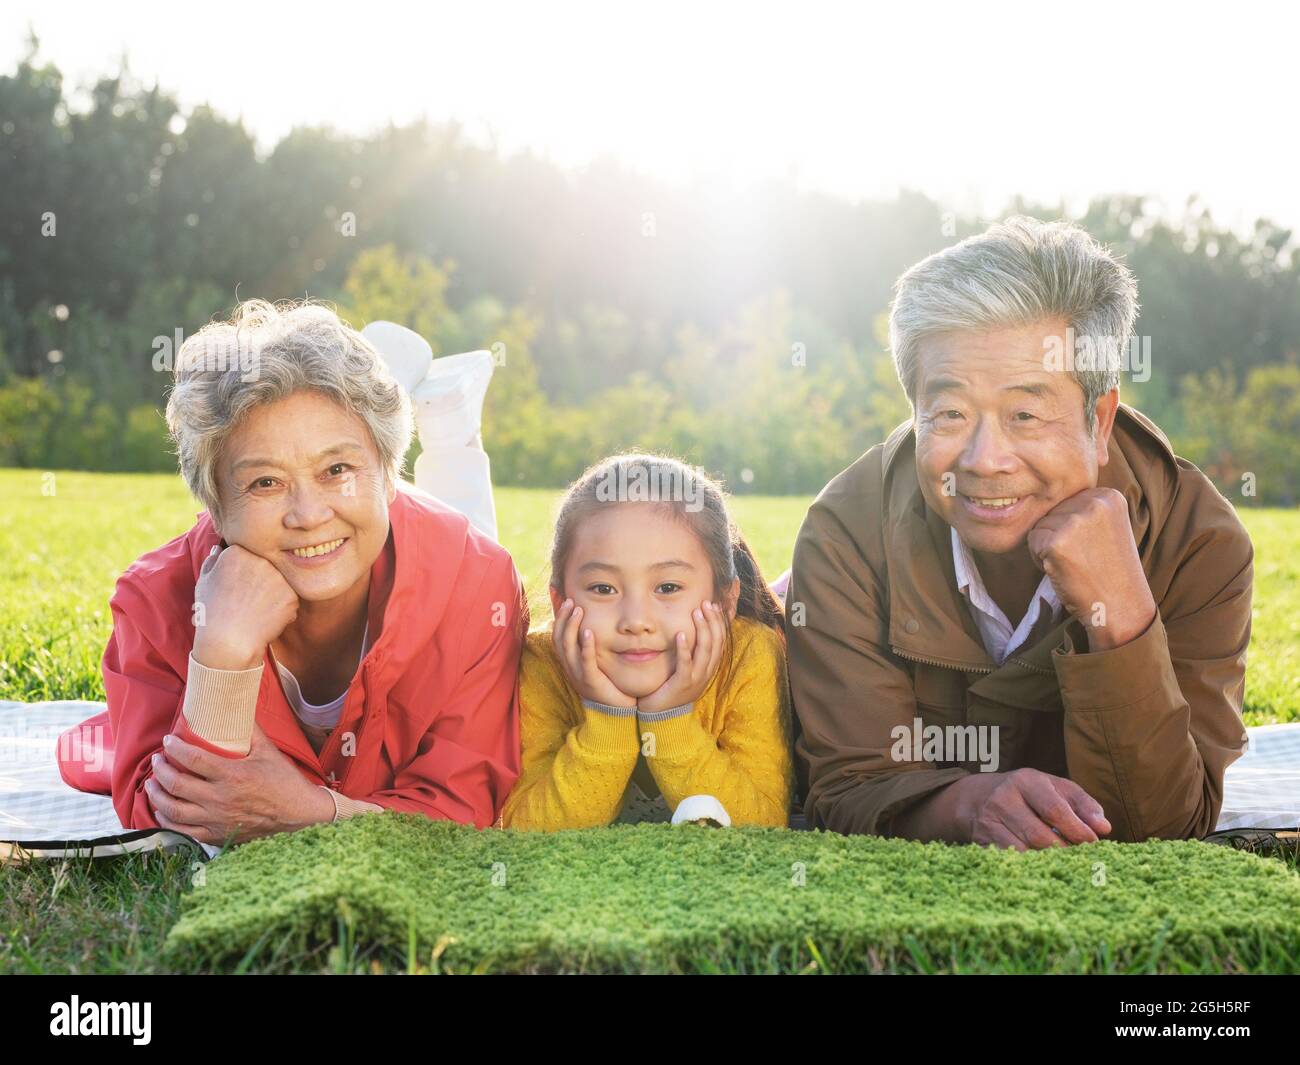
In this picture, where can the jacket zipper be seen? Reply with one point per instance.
(337, 783)
(1031, 667)
(965, 667)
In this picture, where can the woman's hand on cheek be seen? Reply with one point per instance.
(245, 604)
(577, 650)
(218, 800)
(696, 664)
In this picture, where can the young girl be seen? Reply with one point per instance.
(662, 677)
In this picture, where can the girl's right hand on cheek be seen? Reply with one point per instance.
(577, 650)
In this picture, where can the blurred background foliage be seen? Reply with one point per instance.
(741, 331)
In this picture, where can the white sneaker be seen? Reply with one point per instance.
(449, 401)
(407, 354)
(446, 394)
(701, 809)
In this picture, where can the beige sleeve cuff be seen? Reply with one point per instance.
(345, 807)
(220, 704)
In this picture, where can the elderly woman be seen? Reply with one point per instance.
(326, 639)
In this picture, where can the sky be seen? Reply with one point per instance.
(968, 103)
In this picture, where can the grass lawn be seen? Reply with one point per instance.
(64, 541)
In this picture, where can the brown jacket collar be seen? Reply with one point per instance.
(928, 619)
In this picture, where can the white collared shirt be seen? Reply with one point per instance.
(324, 715)
(999, 638)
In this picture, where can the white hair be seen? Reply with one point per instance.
(1018, 272)
(263, 354)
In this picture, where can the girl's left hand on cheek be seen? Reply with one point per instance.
(695, 666)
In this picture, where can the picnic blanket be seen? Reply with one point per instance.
(42, 817)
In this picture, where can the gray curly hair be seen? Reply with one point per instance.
(264, 353)
(1017, 272)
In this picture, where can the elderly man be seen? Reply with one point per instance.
(1022, 620)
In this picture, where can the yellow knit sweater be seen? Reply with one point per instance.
(579, 763)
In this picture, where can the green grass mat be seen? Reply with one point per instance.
(434, 896)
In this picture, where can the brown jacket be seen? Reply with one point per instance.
(880, 635)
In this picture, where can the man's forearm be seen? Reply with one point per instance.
(945, 815)
(1130, 741)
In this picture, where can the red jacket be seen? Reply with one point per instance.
(434, 706)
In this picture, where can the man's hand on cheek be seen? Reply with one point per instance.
(1085, 546)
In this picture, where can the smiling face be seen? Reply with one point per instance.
(637, 572)
(1000, 438)
(304, 474)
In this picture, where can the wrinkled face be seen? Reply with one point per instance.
(304, 473)
(638, 573)
(1001, 438)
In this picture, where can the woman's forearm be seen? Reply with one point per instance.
(221, 704)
